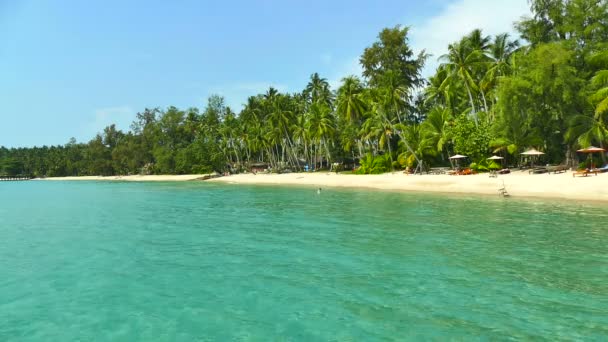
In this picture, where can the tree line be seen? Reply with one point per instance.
(490, 94)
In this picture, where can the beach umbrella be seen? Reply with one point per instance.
(457, 157)
(591, 149)
(496, 158)
(532, 153)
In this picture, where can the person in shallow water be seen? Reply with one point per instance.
(319, 191)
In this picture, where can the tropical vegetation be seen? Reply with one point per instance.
(490, 94)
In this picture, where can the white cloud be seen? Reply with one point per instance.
(459, 18)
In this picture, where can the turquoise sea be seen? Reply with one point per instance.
(103, 261)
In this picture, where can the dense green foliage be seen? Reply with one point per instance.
(489, 95)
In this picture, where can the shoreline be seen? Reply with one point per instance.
(519, 184)
(133, 178)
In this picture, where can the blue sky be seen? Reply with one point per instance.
(69, 68)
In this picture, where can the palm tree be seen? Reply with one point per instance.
(513, 134)
(300, 134)
(600, 96)
(351, 105)
(460, 62)
(477, 41)
(393, 96)
(500, 52)
(317, 90)
(435, 128)
(252, 110)
(376, 131)
(444, 92)
(418, 145)
(280, 118)
(321, 127)
(587, 129)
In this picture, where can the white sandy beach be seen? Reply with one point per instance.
(518, 184)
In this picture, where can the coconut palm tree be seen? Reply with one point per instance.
(460, 61)
(500, 52)
(393, 96)
(435, 128)
(376, 131)
(317, 90)
(351, 104)
(513, 134)
(321, 127)
(418, 145)
(477, 41)
(587, 130)
(600, 96)
(300, 134)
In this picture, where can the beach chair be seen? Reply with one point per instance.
(467, 171)
(584, 173)
(602, 169)
(557, 168)
(538, 170)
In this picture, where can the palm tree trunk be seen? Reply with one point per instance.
(485, 104)
(603, 154)
(472, 102)
(236, 153)
(291, 147)
(409, 148)
(390, 153)
(315, 158)
(327, 151)
(283, 154)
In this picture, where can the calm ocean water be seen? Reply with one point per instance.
(97, 261)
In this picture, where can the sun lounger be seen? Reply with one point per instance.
(467, 171)
(584, 173)
(438, 170)
(538, 170)
(503, 171)
(557, 168)
(602, 169)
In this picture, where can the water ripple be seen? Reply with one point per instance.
(197, 261)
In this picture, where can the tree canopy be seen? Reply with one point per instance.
(490, 94)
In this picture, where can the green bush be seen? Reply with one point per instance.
(374, 165)
(596, 160)
(485, 165)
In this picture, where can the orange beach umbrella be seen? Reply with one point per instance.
(591, 149)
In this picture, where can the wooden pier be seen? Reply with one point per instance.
(7, 178)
